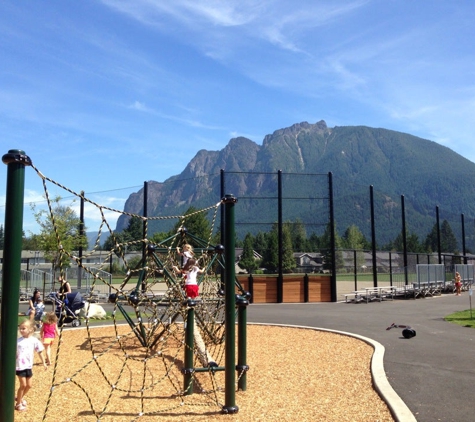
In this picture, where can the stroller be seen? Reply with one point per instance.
(67, 311)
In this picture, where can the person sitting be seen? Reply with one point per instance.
(36, 307)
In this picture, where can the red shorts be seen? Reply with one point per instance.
(191, 290)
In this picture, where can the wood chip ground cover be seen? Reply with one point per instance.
(295, 375)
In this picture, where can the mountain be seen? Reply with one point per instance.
(395, 163)
(92, 237)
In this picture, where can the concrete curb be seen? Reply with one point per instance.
(398, 408)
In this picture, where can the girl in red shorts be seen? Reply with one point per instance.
(191, 282)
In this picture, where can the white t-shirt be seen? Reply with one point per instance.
(25, 354)
(186, 256)
(191, 276)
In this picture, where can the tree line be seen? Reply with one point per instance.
(67, 227)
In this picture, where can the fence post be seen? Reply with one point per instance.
(251, 287)
(390, 269)
(280, 276)
(439, 251)
(464, 250)
(81, 234)
(332, 238)
(404, 241)
(230, 307)
(305, 288)
(373, 239)
(16, 160)
(189, 346)
(242, 367)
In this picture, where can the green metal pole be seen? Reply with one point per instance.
(16, 161)
(242, 367)
(230, 307)
(189, 345)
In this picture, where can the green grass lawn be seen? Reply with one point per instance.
(463, 318)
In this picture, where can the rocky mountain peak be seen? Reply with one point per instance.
(296, 129)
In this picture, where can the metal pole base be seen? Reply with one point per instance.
(229, 410)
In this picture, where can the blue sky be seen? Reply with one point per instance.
(104, 95)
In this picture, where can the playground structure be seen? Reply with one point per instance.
(167, 333)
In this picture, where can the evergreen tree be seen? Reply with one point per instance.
(2, 237)
(431, 240)
(325, 244)
(270, 255)
(159, 237)
(354, 239)
(448, 241)
(260, 243)
(110, 244)
(30, 243)
(248, 262)
(288, 261)
(412, 244)
(300, 242)
(314, 243)
(195, 224)
(270, 258)
(133, 234)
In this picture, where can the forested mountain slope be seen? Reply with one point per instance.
(426, 173)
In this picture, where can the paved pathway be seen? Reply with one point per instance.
(433, 373)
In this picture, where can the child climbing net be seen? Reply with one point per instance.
(149, 360)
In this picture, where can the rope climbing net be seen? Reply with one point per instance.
(141, 364)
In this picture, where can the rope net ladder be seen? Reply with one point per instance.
(139, 364)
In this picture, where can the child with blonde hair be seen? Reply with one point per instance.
(186, 254)
(458, 284)
(27, 345)
(49, 331)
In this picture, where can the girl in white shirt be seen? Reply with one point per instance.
(191, 281)
(27, 345)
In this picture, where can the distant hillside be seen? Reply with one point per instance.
(92, 237)
(395, 163)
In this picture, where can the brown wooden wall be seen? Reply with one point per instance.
(264, 288)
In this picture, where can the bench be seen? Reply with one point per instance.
(387, 292)
(372, 293)
(367, 295)
(405, 291)
(435, 288)
(356, 296)
(420, 289)
(467, 284)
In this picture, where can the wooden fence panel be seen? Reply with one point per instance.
(293, 289)
(265, 288)
(319, 288)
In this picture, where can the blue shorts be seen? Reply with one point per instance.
(25, 373)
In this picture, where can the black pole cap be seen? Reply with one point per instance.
(219, 249)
